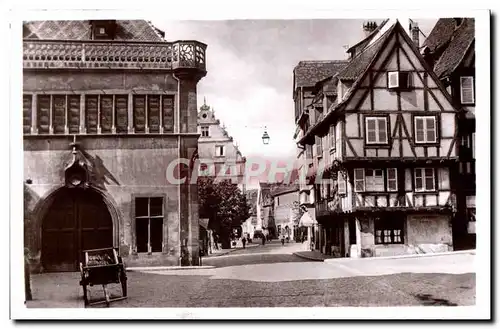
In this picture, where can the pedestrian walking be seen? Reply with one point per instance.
(244, 241)
(263, 240)
(282, 240)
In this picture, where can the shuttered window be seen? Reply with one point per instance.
(425, 129)
(374, 180)
(91, 103)
(106, 113)
(43, 115)
(467, 90)
(139, 111)
(74, 114)
(27, 108)
(59, 113)
(341, 184)
(332, 138)
(121, 113)
(168, 113)
(154, 113)
(376, 130)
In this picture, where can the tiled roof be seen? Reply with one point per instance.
(460, 42)
(360, 63)
(130, 30)
(363, 43)
(440, 34)
(307, 73)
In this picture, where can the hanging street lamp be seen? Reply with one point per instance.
(265, 137)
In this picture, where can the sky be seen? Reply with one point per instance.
(249, 81)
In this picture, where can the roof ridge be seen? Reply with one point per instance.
(371, 35)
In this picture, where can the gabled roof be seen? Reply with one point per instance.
(359, 63)
(307, 73)
(440, 34)
(461, 40)
(363, 43)
(126, 30)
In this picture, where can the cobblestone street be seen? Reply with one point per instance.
(271, 276)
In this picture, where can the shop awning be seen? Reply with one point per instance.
(306, 220)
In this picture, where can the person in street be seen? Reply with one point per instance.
(244, 241)
(263, 240)
(282, 240)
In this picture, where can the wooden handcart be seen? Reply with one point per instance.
(102, 267)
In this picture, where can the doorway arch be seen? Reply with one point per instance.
(76, 220)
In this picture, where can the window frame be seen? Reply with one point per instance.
(423, 177)
(462, 78)
(395, 179)
(388, 228)
(425, 129)
(360, 175)
(205, 129)
(341, 184)
(377, 130)
(148, 217)
(220, 147)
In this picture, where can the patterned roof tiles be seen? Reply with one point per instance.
(307, 73)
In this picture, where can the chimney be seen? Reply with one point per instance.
(415, 33)
(369, 27)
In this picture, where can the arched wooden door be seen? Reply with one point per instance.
(77, 220)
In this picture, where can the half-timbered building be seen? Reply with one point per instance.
(389, 147)
(450, 51)
(109, 106)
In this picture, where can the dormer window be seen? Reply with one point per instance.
(103, 30)
(398, 80)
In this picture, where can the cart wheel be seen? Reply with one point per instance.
(85, 297)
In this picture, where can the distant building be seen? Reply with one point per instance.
(251, 224)
(285, 199)
(219, 155)
(107, 106)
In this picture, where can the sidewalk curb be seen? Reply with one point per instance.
(307, 257)
(230, 251)
(168, 268)
(447, 253)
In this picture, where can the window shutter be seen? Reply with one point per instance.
(59, 113)
(140, 114)
(106, 113)
(431, 129)
(168, 113)
(393, 78)
(74, 114)
(341, 184)
(121, 113)
(359, 180)
(467, 90)
(154, 113)
(371, 134)
(429, 179)
(27, 104)
(91, 114)
(419, 130)
(418, 180)
(382, 130)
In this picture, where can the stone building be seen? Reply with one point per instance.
(386, 163)
(109, 107)
(219, 156)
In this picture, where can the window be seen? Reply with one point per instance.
(368, 180)
(388, 231)
(392, 179)
(376, 130)
(332, 138)
(399, 80)
(424, 179)
(341, 184)
(359, 180)
(467, 90)
(149, 224)
(204, 131)
(219, 150)
(425, 129)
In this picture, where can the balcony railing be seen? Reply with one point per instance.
(64, 54)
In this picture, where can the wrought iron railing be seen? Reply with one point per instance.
(61, 54)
